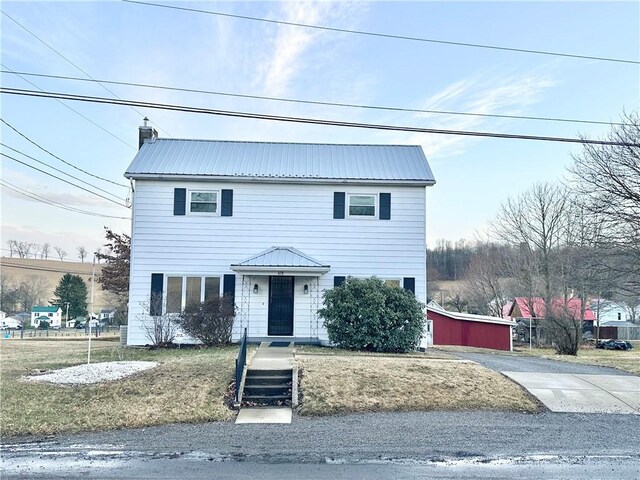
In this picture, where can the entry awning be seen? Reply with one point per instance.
(281, 261)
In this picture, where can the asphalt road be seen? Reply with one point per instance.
(517, 363)
(395, 445)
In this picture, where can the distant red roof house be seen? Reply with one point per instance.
(521, 308)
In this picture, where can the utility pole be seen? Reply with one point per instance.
(93, 281)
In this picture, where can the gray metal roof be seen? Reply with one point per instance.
(277, 257)
(167, 158)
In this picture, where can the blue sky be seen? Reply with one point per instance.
(134, 43)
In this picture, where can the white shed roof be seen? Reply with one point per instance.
(293, 162)
(469, 317)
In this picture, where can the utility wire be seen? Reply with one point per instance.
(62, 179)
(61, 171)
(57, 157)
(315, 102)
(44, 269)
(312, 121)
(385, 35)
(75, 65)
(77, 112)
(41, 199)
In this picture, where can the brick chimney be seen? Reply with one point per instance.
(146, 133)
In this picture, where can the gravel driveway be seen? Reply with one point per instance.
(517, 363)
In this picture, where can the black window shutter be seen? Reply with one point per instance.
(179, 201)
(227, 203)
(338, 204)
(229, 286)
(385, 206)
(155, 301)
(409, 283)
(337, 281)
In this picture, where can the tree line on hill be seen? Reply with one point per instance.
(42, 251)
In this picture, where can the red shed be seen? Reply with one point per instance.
(466, 329)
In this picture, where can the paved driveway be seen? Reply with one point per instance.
(568, 387)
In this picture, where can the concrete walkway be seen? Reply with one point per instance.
(269, 357)
(580, 393)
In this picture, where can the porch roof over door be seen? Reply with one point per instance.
(281, 261)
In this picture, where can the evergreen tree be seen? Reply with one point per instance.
(71, 289)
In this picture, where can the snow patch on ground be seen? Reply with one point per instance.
(92, 373)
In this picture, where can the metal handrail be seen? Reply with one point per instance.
(241, 361)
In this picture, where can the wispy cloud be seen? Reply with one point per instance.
(503, 95)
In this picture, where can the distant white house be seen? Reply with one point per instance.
(2, 315)
(10, 323)
(607, 311)
(107, 315)
(52, 315)
(271, 225)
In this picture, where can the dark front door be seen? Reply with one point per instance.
(280, 306)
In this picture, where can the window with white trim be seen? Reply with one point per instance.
(392, 282)
(183, 290)
(203, 202)
(362, 205)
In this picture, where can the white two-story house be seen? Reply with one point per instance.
(273, 225)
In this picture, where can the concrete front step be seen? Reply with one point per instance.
(268, 380)
(267, 390)
(265, 400)
(267, 373)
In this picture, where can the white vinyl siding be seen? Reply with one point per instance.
(267, 215)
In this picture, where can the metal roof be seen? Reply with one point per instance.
(469, 317)
(281, 259)
(166, 158)
(44, 309)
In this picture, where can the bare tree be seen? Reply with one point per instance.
(537, 222)
(35, 250)
(485, 283)
(8, 293)
(159, 326)
(45, 251)
(61, 253)
(606, 177)
(23, 249)
(82, 253)
(32, 291)
(12, 247)
(98, 254)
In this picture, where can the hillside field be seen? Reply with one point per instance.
(51, 271)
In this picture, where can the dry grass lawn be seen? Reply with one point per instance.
(362, 383)
(188, 386)
(627, 360)
(332, 351)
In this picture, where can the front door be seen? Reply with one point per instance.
(280, 306)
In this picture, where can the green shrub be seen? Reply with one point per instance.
(367, 314)
(210, 322)
(43, 325)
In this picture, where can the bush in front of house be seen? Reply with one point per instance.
(367, 314)
(211, 322)
(43, 325)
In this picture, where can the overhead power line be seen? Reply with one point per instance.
(61, 179)
(75, 111)
(72, 63)
(312, 121)
(61, 171)
(43, 269)
(58, 158)
(385, 35)
(315, 102)
(53, 203)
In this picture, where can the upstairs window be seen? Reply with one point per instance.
(203, 202)
(362, 205)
